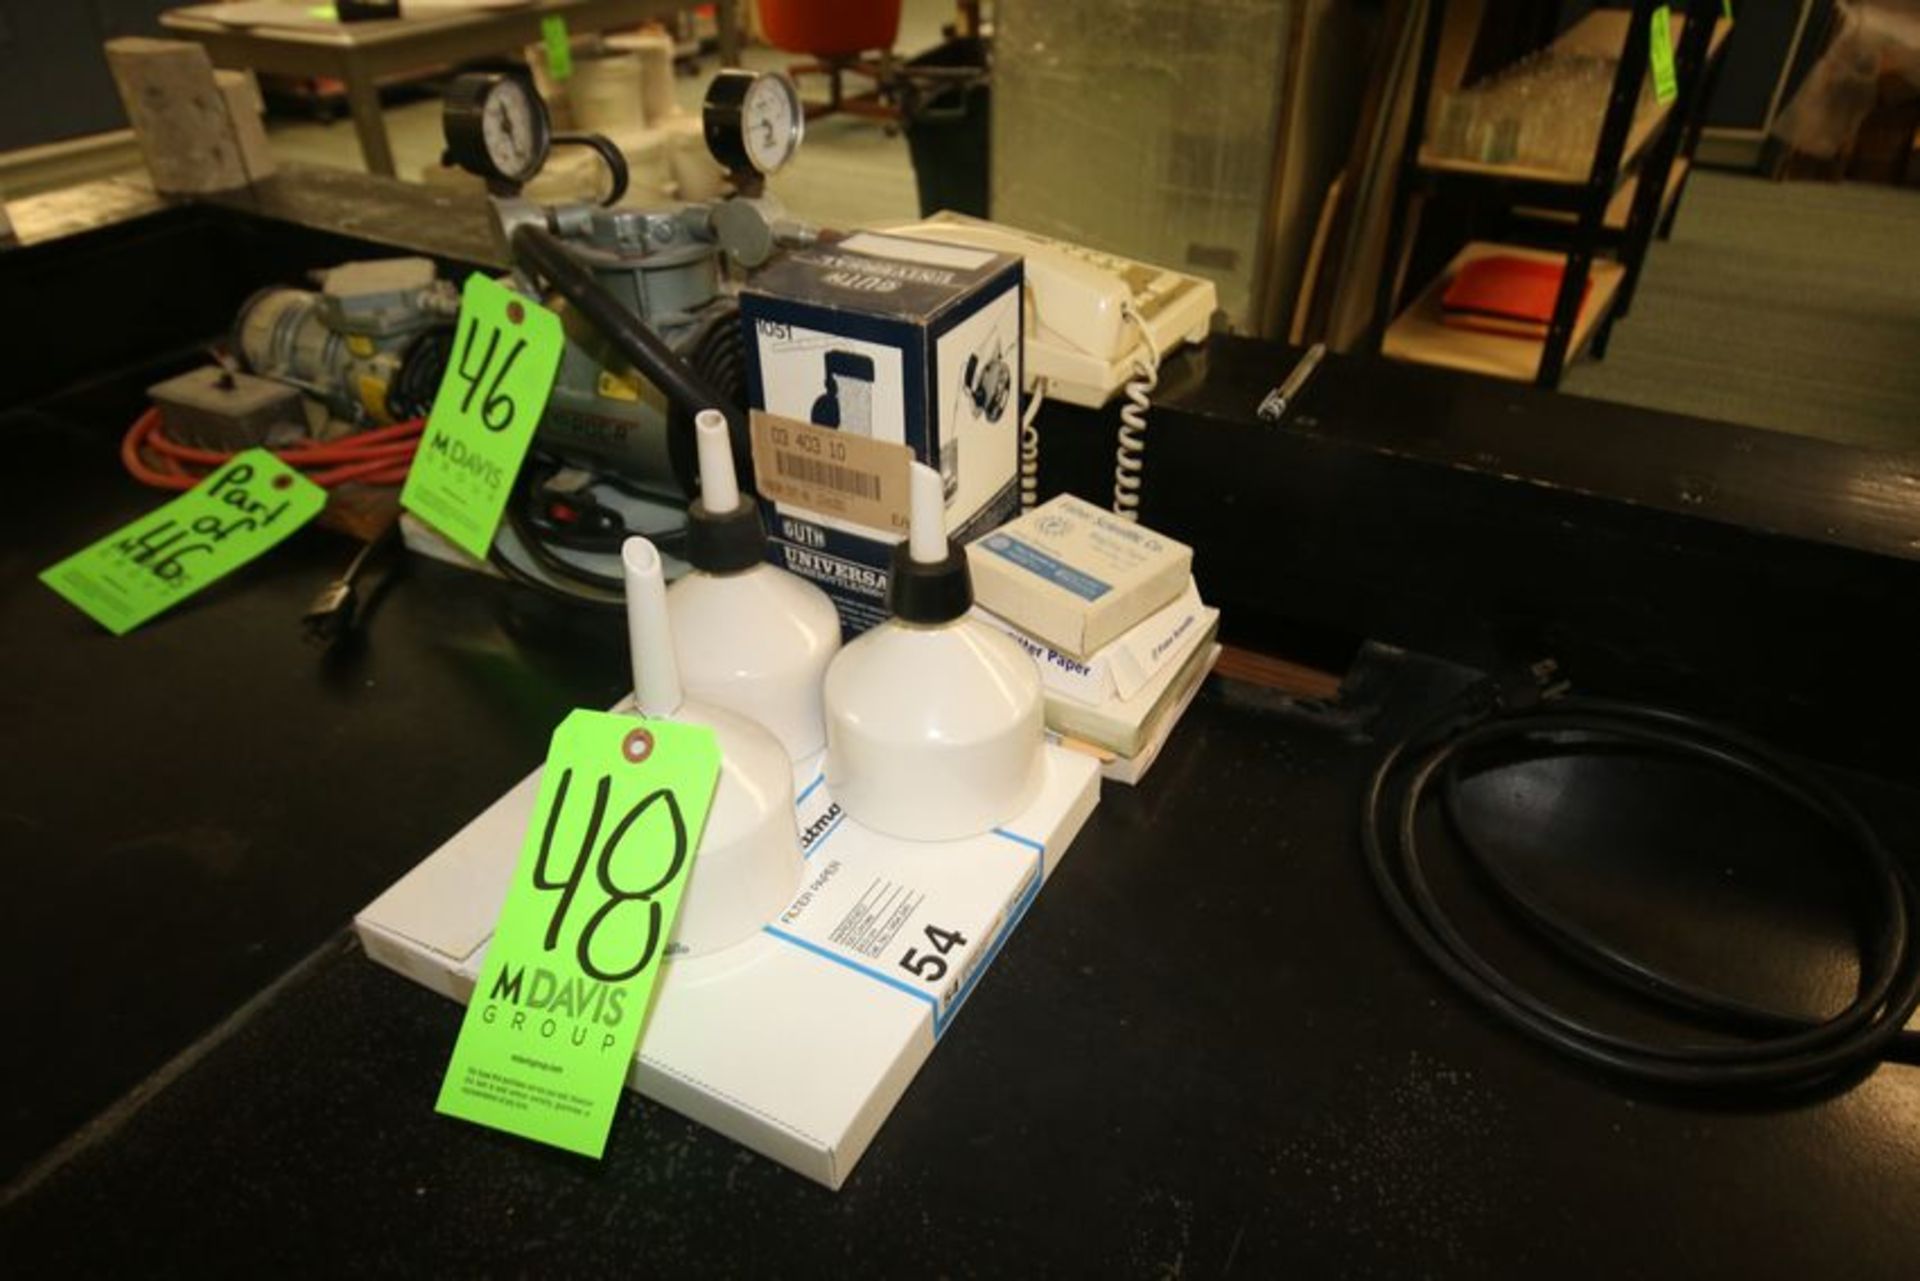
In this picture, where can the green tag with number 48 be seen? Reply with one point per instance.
(506, 351)
(556, 1011)
(243, 509)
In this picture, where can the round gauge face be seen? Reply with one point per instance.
(771, 122)
(512, 127)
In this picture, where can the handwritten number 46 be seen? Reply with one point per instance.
(616, 897)
(497, 409)
(145, 547)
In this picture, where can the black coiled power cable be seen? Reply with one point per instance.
(1766, 1049)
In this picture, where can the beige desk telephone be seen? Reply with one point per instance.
(1096, 325)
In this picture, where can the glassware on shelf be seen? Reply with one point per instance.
(1543, 112)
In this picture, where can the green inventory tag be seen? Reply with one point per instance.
(1660, 49)
(555, 1014)
(553, 30)
(235, 514)
(506, 351)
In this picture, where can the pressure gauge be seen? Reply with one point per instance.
(496, 126)
(754, 120)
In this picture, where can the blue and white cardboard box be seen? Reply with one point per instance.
(798, 1041)
(1076, 576)
(897, 340)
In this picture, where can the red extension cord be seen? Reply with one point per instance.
(377, 457)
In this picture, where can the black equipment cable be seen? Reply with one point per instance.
(520, 577)
(610, 155)
(410, 394)
(555, 565)
(1526, 719)
(547, 259)
(564, 580)
(544, 256)
(338, 607)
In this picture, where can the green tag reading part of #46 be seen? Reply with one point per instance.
(1666, 85)
(241, 510)
(553, 31)
(506, 350)
(556, 1011)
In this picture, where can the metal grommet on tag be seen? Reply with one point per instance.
(637, 746)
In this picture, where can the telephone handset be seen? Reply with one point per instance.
(1078, 336)
(1096, 324)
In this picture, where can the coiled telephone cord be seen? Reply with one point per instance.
(1127, 463)
(1030, 446)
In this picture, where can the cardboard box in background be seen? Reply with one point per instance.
(901, 342)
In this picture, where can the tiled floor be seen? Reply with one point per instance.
(850, 172)
(1792, 306)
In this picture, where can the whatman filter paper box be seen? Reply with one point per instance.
(873, 342)
(1075, 575)
(1123, 666)
(798, 1040)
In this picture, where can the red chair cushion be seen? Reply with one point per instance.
(830, 28)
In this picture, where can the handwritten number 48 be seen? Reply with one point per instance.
(497, 409)
(616, 897)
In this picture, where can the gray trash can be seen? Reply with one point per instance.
(945, 109)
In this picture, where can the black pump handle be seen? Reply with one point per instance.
(545, 257)
(610, 155)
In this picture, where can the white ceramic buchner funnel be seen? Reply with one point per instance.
(750, 638)
(934, 721)
(748, 866)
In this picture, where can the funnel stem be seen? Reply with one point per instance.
(718, 488)
(656, 670)
(927, 512)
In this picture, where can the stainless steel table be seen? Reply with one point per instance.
(360, 53)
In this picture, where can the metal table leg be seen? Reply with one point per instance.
(363, 97)
(727, 14)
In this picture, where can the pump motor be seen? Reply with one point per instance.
(662, 268)
(370, 344)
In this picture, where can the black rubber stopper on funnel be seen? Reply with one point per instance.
(725, 542)
(927, 594)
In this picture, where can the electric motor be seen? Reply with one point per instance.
(602, 414)
(371, 344)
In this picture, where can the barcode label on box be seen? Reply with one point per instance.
(831, 473)
(811, 471)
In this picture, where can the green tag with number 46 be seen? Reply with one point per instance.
(556, 1011)
(506, 351)
(243, 509)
